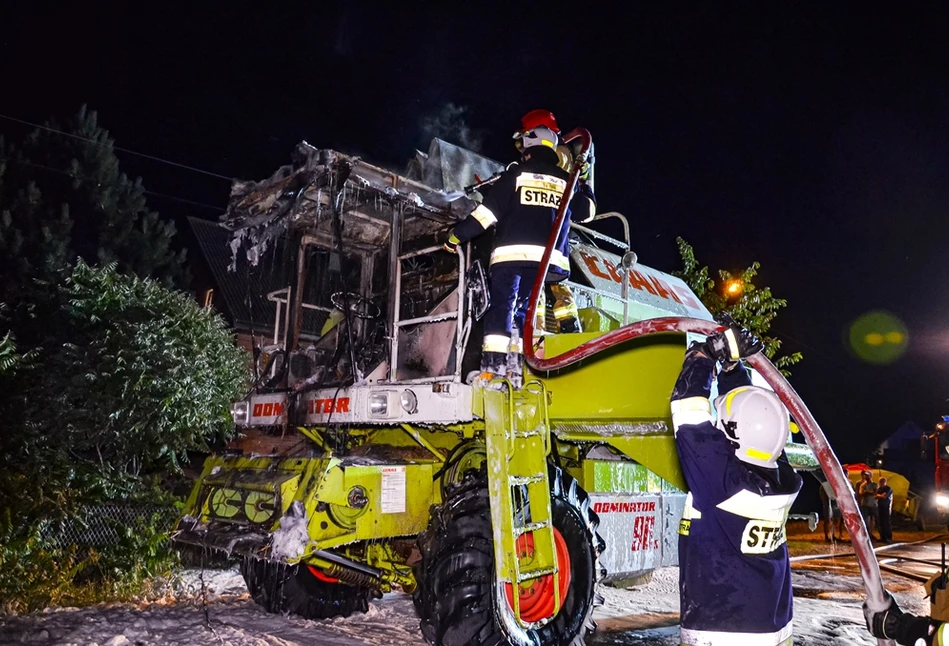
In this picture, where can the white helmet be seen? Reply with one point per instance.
(756, 421)
(539, 136)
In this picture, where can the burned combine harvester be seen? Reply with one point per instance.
(364, 460)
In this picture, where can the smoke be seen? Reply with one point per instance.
(451, 124)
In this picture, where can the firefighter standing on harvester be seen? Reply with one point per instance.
(734, 572)
(522, 204)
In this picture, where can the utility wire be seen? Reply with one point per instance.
(87, 180)
(125, 150)
(181, 199)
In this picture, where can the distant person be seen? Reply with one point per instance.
(833, 519)
(734, 571)
(866, 492)
(884, 498)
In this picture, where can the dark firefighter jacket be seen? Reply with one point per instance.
(523, 203)
(580, 211)
(734, 573)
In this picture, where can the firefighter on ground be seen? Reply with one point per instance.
(734, 572)
(522, 204)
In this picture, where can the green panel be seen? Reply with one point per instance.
(595, 319)
(631, 382)
(408, 487)
(801, 457)
(655, 452)
(245, 490)
(615, 476)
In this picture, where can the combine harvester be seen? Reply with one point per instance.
(365, 462)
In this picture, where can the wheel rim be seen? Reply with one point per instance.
(470, 459)
(536, 596)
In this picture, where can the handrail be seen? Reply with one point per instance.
(274, 297)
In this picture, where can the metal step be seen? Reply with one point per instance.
(525, 480)
(527, 575)
(530, 527)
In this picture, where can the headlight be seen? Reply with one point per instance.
(942, 500)
(240, 413)
(409, 401)
(379, 405)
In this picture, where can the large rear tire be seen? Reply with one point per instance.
(294, 589)
(458, 599)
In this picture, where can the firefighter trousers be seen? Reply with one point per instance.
(510, 292)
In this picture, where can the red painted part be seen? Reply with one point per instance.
(536, 597)
(325, 578)
(536, 118)
(941, 468)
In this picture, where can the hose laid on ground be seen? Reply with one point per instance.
(869, 567)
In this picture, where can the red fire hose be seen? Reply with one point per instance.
(869, 567)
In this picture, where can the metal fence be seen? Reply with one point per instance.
(102, 525)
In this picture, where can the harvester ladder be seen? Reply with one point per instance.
(517, 432)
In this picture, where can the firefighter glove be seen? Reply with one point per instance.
(901, 627)
(451, 245)
(733, 343)
(585, 171)
(584, 189)
(885, 623)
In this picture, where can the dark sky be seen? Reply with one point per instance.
(815, 141)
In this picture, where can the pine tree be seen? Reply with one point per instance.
(63, 197)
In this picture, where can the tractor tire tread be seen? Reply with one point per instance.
(281, 588)
(455, 597)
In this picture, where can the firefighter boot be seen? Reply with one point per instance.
(493, 364)
(515, 369)
(565, 309)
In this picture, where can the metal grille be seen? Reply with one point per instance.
(97, 525)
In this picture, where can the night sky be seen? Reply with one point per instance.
(813, 141)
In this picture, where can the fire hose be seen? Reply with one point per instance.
(830, 465)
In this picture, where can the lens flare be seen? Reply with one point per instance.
(878, 337)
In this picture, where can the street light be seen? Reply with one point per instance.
(733, 289)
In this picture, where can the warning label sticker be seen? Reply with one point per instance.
(393, 490)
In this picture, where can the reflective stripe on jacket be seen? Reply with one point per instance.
(690, 637)
(734, 572)
(522, 206)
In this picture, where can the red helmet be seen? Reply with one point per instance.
(537, 118)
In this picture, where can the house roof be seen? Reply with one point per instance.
(909, 431)
(244, 288)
